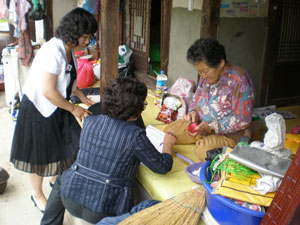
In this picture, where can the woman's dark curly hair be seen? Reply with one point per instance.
(208, 50)
(124, 98)
(74, 24)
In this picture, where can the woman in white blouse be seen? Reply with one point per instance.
(47, 134)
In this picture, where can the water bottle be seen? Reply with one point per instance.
(161, 87)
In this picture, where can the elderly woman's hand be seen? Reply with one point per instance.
(191, 117)
(203, 128)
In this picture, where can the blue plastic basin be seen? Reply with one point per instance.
(225, 211)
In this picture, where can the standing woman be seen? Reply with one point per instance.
(46, 137)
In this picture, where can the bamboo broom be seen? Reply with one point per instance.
(184, 208)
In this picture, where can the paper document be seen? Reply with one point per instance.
(156, 137)
(263, 112)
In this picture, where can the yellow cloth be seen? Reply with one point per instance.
(162, 187)
(292, 142)
(203, 143)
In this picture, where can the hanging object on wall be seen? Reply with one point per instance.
(92, 6)
(39, 10)
(191, 5)
(3, 10)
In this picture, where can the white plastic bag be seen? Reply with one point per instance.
(124, 56)
(184, 88)
(275, 136)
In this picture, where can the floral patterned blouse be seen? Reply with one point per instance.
(228, 103)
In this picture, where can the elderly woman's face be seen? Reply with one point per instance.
(211, 74)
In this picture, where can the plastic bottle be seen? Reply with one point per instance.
(161, 87)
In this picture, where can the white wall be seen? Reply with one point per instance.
(185, 29)
(60, 8)
(242, 33)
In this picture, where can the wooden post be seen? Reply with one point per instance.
(109, 41)
(166, 9)
(210, 18)
(48, 22)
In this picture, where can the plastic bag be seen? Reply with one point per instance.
(275, 136)
(85, 75)
(184, 88)
(124, 56)
(169, 108)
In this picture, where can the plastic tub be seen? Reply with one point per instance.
(189, 170)
(225, 211)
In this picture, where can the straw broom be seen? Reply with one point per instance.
(184, 208)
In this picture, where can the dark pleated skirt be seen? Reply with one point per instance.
(44, 146)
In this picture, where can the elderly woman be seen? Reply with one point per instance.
(223, 102)
(100, 182)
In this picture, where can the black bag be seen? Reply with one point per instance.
(211, 154)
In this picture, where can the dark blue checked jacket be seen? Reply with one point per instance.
(110, 153)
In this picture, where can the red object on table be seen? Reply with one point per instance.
(192, 126)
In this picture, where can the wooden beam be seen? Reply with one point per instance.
(210, 18)
(166, 9)
(109, 41)
(48, 22)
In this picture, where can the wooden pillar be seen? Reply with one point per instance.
(48, 22)
(109, 41)
(166, 9)
(210, 18)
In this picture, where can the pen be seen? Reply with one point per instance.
(172, 131)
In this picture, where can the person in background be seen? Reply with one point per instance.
(223, 102)
(46, 136)
(100, 182)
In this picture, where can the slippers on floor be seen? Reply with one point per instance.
(35, 204)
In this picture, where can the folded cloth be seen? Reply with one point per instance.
(180, 130)
(267, 184)
(212, 141)
(203, 143)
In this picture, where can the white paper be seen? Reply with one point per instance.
(265, 111)
(156, 137)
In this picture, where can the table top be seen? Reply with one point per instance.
(162, 187)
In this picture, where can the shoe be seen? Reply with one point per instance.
(34, 202)
(51, 185)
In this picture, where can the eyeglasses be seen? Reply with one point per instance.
(145, 104)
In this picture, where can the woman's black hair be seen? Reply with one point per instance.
(208, 50)
(124, 98)
(74, 24)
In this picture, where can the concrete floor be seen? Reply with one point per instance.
(16, 207)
